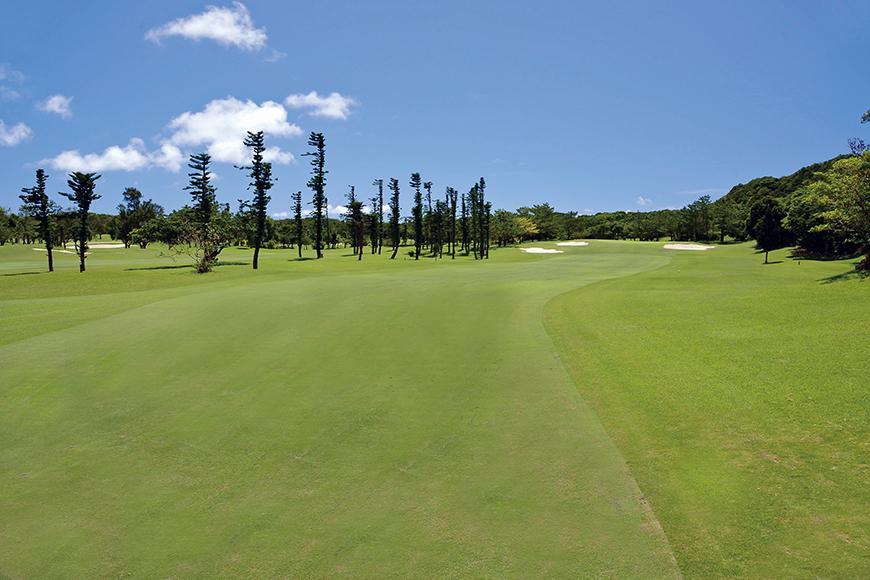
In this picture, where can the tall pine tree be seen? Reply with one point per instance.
(317, 183)
(415, 184)
(37, 204)
(82, 194)
(395, 215)
(260, 172)
(380, 213)
(297, 218)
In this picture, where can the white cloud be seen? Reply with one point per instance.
(643, 201)
(132, 157)
(338, 210)
(230, 26)
(9, 75)
(15, 134)
(57, 104)
(331, 106)
(221, 127)
(7, 94)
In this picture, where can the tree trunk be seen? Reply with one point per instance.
(256, 256)
(50, 258)
(765, 256)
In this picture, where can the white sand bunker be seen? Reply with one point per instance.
(572, 244)
(695, 247)
(105, 246)
(53, 250)
(541, 251)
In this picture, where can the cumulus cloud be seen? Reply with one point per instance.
(132, 157)
(643, 201)
(230, 26)
(15, 134)
(332, 106)
(58, 105)
(221, 127)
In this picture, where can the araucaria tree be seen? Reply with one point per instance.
(427, 221)
(463, 222)
(37, 205)
(260, 172)
(82, 195)
(297, 218)
(415, 184)
(205, 229)
(484, 209)
(374, 222)
(357, 224)
(317, 183)
(395, 215)
(452, 194)
(378, 210)
(348, 218)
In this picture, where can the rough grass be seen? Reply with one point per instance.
(309, 419)
(738, 393)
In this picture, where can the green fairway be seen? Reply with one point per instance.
(738, 394)
(313, 418)
(433, 418)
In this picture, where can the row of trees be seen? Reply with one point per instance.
(204, 227)
(824, 209)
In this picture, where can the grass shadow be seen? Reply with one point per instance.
(22, 274)
(302, 259)
(845, 277)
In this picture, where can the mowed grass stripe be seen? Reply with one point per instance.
(389, 421)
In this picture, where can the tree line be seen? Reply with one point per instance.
(822, 209)
(204, 227)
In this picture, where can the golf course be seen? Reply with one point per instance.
(616, 410)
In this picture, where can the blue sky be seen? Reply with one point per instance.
(587, 105)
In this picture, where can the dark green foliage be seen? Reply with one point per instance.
(82, 195)
(297, 219)
(205, 229)
(464, 225)
(260, 172)
(374, 224)
(35, 203)
(378, 210)
(132, 214)
(417, 213)
(357, 224)
(452, 194)
(765, 225)
(395, 215)
(202, 193)
(317, 183)
(746, 194)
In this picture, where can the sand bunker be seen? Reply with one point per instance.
(541, 251)
(105, 246)
(688, 247)
(572, 244)
(54, 250)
